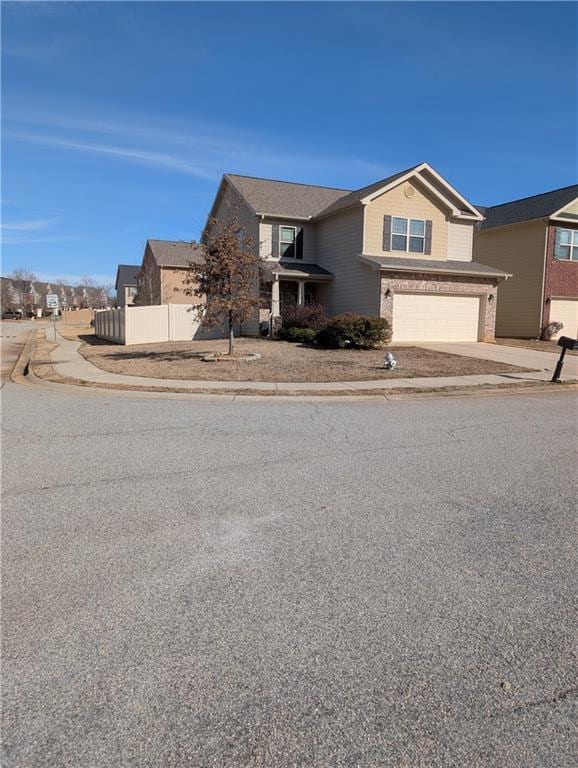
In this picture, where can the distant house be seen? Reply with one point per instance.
(164, 271)
(31, 296)
(126, 283)
(535, 239)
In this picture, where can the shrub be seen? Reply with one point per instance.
(355, 332)
(297, 335)
(551, 330)
(304, 316)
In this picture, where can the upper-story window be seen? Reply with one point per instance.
(566, 245)
(287, 239)
(407, 235)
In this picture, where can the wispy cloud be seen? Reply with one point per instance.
(27, 226)
(200, 150)
(126, 153)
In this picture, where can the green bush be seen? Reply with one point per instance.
(297, 335)
(354, 332)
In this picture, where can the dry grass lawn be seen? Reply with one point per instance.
(280, 361)
(537, 344)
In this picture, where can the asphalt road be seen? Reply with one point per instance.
(226, 585)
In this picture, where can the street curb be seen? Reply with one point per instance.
(21, 367)
(172, 391)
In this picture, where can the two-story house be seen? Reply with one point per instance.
(535, 238)
(400, 248)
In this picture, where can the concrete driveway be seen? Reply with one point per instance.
(527, 358)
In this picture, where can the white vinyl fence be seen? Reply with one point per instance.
(147, 325)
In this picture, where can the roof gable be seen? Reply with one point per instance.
(426, 176)
(126, 274)
(171, 253)
(530, 208)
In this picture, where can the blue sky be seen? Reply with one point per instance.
(120, 118)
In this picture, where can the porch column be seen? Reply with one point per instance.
(275, 301)
(301, 292)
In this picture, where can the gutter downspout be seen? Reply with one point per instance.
(545, 259)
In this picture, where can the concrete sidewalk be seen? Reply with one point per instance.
(68, 362)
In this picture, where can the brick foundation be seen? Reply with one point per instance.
(427, 283)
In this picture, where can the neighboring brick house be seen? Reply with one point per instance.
(400, 248)
(164, 271)
(536, 239)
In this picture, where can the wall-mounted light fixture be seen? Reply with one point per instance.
(547, 299)
(387, 294)
(491, 297)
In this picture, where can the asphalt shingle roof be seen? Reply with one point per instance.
(436, 266)
(299, 269)
(169, 253)
(126, 274)
(285, 198)
(529, 208)
(354, 197)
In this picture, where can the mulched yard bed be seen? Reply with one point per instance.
(280, 361)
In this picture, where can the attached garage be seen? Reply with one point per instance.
(565, 311)
(436, 317)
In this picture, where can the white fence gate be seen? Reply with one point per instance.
(147, 325)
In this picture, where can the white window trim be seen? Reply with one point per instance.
(407, 235)
(572, 245)
(294, 243)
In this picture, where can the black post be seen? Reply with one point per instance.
(559, 364)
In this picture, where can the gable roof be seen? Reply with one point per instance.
(358, 195)
(528, 208)
(284, 198)
(126, 274)
(179, 253)
(287, 199)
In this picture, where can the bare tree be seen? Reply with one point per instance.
(21, 279)
(86, 281)
(145, 291)
(228, 277)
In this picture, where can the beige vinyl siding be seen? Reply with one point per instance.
(571, 208)
(519, 250)
(460, 240)
(421, 205)
(356, 286)
(266, 237)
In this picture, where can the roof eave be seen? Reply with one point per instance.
(498, 274)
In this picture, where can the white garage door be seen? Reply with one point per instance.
(435, 317)
(565, 311)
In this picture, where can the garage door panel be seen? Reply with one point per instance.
(435, 317)
(565, 311)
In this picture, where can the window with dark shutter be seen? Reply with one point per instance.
(387, 233)
(299, 244)
(275, 240)
(428, 233)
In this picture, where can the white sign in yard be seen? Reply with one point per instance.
(52, 301)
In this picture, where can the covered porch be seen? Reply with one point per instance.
(290, 283)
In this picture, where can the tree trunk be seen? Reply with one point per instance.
(231, 333)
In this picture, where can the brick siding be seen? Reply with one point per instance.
(561, 277)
